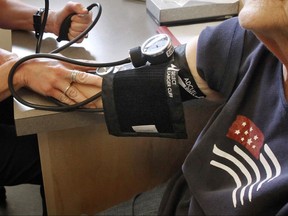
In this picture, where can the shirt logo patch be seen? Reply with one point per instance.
(246, 133)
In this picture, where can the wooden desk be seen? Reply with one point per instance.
(85, 170)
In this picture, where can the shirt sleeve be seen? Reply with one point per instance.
(219, 54)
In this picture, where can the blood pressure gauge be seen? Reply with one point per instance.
(157, 49)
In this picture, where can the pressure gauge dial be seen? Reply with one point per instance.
(158, 49)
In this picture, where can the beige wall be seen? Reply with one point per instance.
(5, 39)
(241, 4)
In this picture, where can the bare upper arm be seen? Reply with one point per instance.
(191, 56)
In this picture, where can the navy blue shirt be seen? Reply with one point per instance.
(238, 165)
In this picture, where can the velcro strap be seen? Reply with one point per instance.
(144, 101)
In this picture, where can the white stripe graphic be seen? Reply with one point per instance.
(250, 183)
(243, 169)
(274, 161)
(234, 176)
(267, 169)
(253, 166)
(269, 176)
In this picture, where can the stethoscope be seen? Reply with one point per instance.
(156, 50)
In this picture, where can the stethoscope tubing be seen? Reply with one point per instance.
(52, 55)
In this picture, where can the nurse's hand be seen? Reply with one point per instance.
(79, 22)
(67, 83)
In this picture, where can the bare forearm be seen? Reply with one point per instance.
(16, 15)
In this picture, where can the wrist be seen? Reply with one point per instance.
(50, 25)
(6, 56)
(17, 79)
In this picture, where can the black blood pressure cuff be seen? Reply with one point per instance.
(188, 87)
(144, 101)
